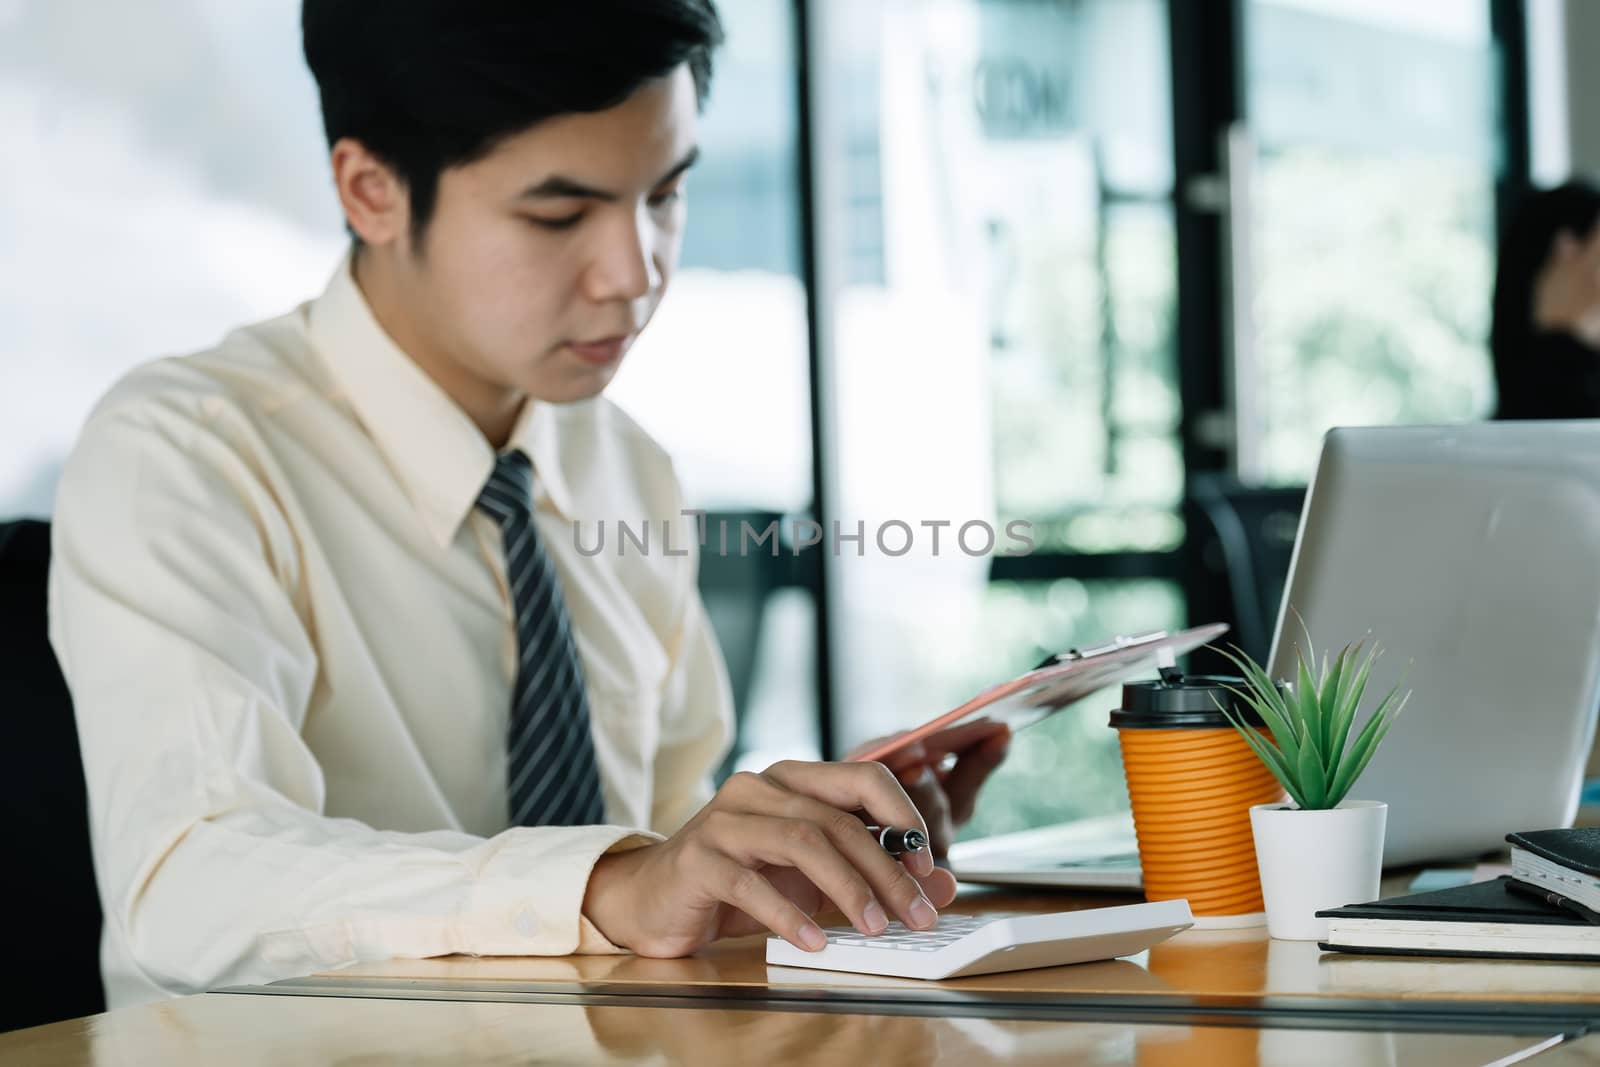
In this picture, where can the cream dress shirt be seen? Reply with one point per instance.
(289, 641)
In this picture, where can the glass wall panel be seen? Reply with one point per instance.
(722, 376)
(995, 196)
(1377, 132)
(142, 217)
(730, 338)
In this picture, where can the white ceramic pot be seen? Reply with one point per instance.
(1313, 860)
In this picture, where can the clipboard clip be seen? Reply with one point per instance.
(1116, 644)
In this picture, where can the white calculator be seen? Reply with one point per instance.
(962, 945)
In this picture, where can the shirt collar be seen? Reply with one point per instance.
(439, 456)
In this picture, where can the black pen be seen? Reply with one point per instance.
(897, 842)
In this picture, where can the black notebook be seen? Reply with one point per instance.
(1483, 919)
(1577, 848)
(1561, 867)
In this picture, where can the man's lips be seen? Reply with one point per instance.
(601, 352)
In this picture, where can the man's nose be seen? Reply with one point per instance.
(624, 266)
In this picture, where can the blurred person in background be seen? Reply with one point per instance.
(1545, 337)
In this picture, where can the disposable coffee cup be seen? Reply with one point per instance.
(1192, 780)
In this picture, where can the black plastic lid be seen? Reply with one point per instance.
(1181, 702)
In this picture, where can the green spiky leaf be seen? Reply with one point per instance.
(1309, 706)
(1307, 743)
(1344, 709)
(1267, 701)
(1329, 684)
(1313, 778)
(1366, 744)
(1267, 752)
(1275, 717)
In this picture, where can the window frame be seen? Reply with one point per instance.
(1208, 93)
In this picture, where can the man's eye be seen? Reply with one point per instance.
(565, 222)
(666, 198)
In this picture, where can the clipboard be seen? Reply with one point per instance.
(1060, 680)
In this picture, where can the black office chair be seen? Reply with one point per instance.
(52, 914)
(1250, 533)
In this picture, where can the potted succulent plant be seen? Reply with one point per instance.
(1323, 850)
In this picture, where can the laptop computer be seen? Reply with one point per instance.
(1470, 553)
(1095, 853)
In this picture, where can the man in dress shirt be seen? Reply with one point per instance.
(346, 689)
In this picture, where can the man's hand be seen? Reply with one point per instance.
(767, 853)
(943, 772)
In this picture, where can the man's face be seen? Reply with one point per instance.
(544, 260)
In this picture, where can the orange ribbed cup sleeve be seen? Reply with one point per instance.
(1192, 791)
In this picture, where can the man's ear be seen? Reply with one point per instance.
(373, 197)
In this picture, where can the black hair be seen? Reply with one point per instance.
(1524, 247)
(427, 85)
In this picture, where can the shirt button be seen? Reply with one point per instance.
(526, 923)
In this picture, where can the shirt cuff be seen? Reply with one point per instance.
(528, 900)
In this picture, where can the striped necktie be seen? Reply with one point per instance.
(552, 778)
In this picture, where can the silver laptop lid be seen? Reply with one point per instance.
(1472, 554)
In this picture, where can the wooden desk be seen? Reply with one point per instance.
(241, 1030)
(1198, 977)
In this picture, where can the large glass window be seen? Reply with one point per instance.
(996, 204)
(142, 217)
(1377, 132)
(731, 336)
(164, 180)
(721, 377)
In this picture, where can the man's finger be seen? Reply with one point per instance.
(906, 759)
(959, 739)
(750, 892)
(939, 887)
(804, 845)
(970, 772)
(876, 742)
(868, 787)
(893, 881)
